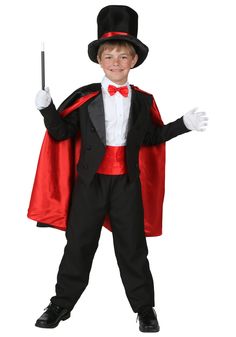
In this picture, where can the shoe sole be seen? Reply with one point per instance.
(149, 329)
(50, 326)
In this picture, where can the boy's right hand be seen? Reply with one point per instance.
(43, 99)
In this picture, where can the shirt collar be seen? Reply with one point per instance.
(106, 82)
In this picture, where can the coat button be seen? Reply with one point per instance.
(88, 148)
(92, 129)
(85, 165)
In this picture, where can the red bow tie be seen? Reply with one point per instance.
(122, 90)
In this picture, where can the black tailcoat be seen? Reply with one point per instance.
(90, 120)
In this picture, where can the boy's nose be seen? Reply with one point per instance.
(116, 61)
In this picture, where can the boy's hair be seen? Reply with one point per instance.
(116, 44)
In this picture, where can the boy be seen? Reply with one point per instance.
(105, 125)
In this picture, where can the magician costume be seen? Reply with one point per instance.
(102, 163)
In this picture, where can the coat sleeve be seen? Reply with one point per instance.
(60, 128)
(158, 133)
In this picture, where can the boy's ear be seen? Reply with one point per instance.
(134, 61)
(98, 59)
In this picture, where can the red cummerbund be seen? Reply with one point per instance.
(113, 161)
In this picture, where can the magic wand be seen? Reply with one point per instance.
(43, 67)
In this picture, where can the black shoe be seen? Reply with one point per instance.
(148, 320)
(52, 316)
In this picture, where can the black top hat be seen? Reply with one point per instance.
(118, 23)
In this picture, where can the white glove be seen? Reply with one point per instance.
(195, 120)
(43, 99)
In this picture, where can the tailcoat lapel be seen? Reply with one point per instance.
(137, 113)
(97, 116)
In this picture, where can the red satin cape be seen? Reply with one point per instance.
(56, 172)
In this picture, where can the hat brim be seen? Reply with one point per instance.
(140, 48)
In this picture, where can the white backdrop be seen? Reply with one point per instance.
(191, 63)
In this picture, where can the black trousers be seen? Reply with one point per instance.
(123, 200)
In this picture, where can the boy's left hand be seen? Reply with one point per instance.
(195, 120)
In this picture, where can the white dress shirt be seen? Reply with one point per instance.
(117, 108)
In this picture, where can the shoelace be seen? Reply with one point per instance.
(144, 314)
(52, 307)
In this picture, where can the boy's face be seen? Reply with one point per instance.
(116, 64)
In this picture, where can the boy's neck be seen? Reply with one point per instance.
(118, 82)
